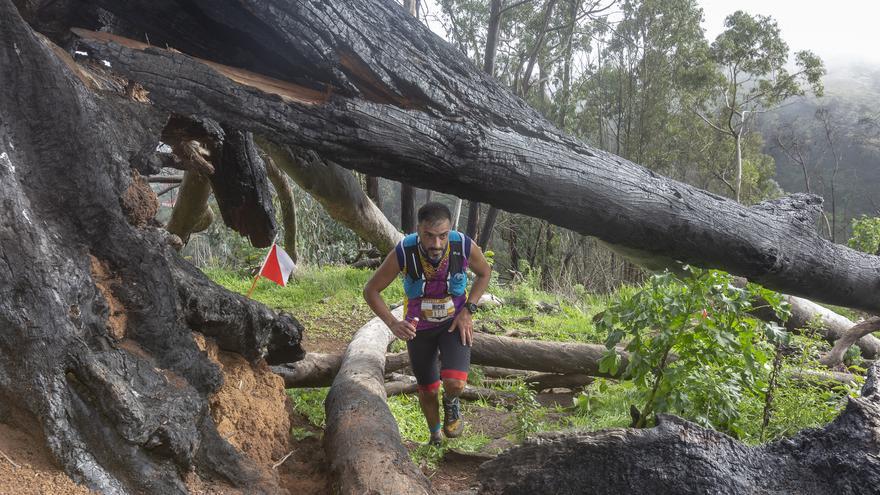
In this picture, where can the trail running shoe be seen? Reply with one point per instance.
(436, 439)
(453, 424)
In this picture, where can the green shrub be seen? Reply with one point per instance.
(694, 348)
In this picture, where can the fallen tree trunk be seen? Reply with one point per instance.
(806, 314)
(97, 312)
(571, 362)
(319, 370)
(680, 457)
(851, 336)
(411, 122)
(537, 355)
(361, 437)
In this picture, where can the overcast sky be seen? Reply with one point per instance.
(841, 32)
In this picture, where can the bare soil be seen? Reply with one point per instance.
(26, 466)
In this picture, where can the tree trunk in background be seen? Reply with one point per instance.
(338, 191)
(373, 191)
(486, 233)
(288, 206)
(473, 219)
(191, 212)
(97, 311)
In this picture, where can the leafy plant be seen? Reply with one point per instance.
(865, 234)
(694, 349)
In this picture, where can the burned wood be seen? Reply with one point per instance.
(838, 458)
(386, 130)
(103, 358)
(241, 188)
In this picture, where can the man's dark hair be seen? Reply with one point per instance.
(434, 212)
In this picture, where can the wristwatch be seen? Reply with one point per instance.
(471, 307)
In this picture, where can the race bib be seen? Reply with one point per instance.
(437, 310)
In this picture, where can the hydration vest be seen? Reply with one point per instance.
(414, 276)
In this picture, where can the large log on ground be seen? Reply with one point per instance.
(96, 312)
(832, 326)
(540, 355)
(573, 362)
(361, 437)
(682, 458)
(318, 369)
(412, 108)
(859, 330)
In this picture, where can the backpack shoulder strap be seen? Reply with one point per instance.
(411, 262)
(456, 252)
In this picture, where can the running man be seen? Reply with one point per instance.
(438, 310)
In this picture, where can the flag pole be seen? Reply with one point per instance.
(251, 290)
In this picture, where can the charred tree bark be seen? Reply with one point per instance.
(338, 191)
(96, 314)
(415, 122)
(839, 458)
(361, 463)
(241, 189)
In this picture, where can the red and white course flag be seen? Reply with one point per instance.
(277, 266)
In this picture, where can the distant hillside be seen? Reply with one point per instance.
(851, 105)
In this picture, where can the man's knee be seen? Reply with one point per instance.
(453, 387)
(429, 392)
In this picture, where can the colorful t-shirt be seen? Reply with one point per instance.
(436, 306)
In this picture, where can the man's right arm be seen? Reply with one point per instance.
(385, 274)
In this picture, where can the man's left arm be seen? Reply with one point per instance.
(481, 268)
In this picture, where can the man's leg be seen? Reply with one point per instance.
(423, 353)
(455, 360)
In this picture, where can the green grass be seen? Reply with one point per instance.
(413, 427)
(310, 403)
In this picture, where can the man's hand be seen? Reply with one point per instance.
(465, 324)
(403, 330)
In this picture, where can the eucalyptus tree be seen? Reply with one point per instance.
(753, 60)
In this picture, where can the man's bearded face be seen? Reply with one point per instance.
(433, 238)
